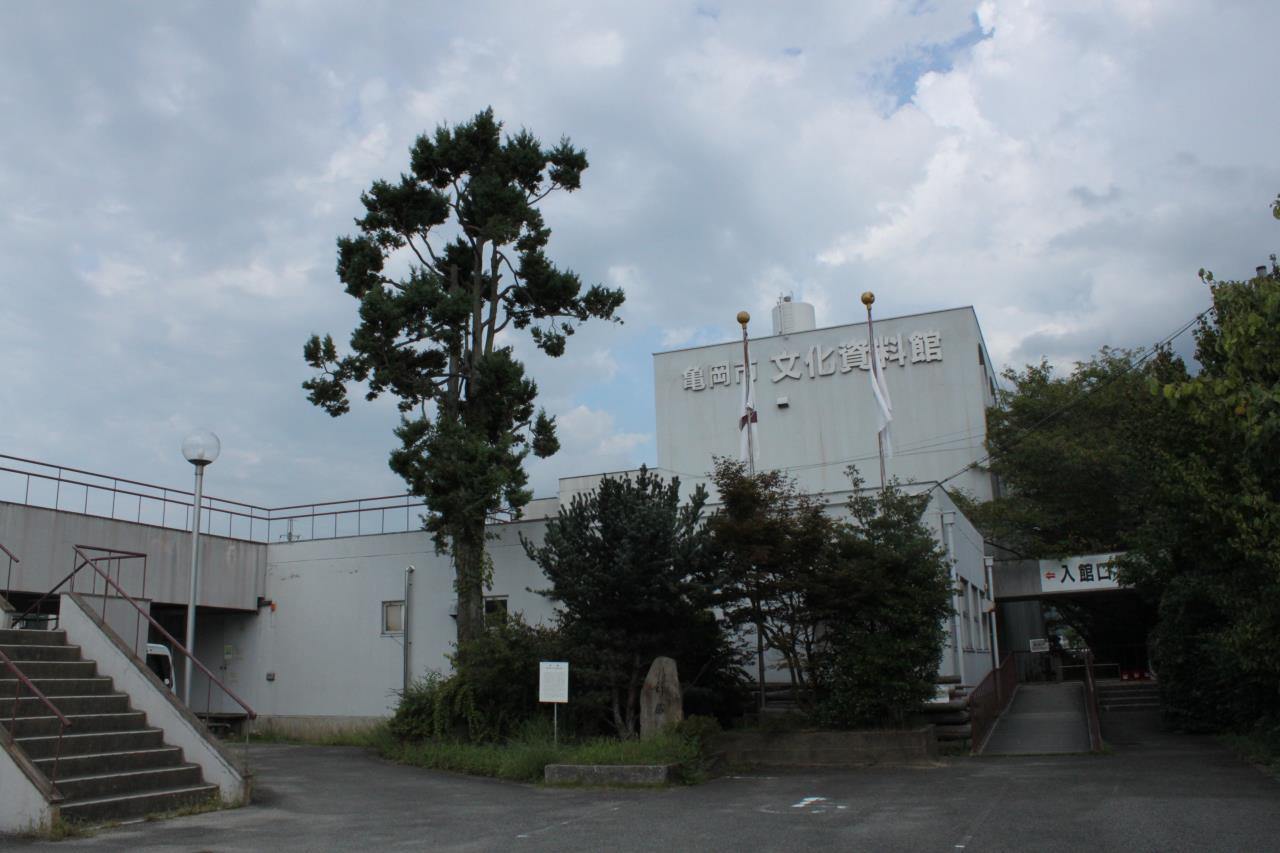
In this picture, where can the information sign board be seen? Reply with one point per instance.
(553, 681)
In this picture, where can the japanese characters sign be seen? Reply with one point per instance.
(553, 681)
(819, 361)
(1079, 574)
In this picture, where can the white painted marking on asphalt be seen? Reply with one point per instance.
(808, 801)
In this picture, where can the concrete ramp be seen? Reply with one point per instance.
(1044, 719)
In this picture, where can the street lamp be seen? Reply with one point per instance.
(200, 448)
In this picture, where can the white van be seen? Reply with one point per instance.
(160, 661)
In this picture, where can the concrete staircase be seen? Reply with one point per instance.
(1116, 695)
(112, 766)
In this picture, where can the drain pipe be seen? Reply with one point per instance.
(989, 565)
(407, 617)
(956, 651)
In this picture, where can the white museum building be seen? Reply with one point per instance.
(315, 614)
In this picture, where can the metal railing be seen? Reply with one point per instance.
(40, 484)
(989, 699)
(13, 558)
(1091, 704)
(20, 681)
(174, 645)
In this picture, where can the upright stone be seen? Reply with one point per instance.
(660, 698)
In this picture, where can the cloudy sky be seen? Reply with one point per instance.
(173, 176)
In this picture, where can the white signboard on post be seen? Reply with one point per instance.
(553, 682)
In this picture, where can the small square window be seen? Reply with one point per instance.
(495, 609)
(393, 617)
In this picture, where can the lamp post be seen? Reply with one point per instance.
(200, 448)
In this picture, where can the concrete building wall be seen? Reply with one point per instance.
(323, 644)
(816, 412)
(232, 570)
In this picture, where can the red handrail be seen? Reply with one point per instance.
(23, 681)
(10, 554)
(253, 715)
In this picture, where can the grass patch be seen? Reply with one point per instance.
(1260, 747)
(213, 804)
(524, 759)
(60, 829)
(369, 738)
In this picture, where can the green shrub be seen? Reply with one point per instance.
(492, 692)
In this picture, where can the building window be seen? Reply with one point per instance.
(966, 626)
(495, 609)
(393, 617)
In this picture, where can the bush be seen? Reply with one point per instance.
(491, 693)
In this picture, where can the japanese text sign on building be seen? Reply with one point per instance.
(821, 360)
(553, 681)
(1079, 574)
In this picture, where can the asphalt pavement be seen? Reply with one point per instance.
(1153, 792)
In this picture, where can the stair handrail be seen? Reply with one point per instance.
(23, 681)
(36, 604)
(9, 554)
(1091, 704)
(252, 714)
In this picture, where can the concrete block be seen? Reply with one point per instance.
(609, 774)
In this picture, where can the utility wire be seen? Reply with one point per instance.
(1134, 364)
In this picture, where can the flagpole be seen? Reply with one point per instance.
(743, 319)
(867, 299)
(746, 423)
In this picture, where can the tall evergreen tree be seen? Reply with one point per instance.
(623, 561)
(446, 258)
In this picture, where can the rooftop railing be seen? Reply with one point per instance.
(40, 484)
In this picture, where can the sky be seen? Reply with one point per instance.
(173, 177)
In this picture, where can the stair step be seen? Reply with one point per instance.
(52, 687)
(24, 637)
(125, 806)
(101, 703)
(46, 746)
(76, 788)
(80, 723)
(104, 762)
(20, 653)
(35, 669)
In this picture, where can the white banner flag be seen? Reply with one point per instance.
(748, 433)
(884, 406)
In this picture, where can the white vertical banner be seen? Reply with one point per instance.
(879, 390)
(748, 432)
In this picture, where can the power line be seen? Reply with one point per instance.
(1133, 365)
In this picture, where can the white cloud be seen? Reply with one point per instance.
(180, 174)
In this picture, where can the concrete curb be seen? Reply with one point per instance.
(610, 774)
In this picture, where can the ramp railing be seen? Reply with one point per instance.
(1091, 704)
(989, 699)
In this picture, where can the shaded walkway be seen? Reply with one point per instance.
(1044, 719)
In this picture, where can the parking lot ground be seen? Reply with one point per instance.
(1152, 793)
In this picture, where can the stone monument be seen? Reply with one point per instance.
(660, 698)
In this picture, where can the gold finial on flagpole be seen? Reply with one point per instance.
(867, 298)
(744, 318)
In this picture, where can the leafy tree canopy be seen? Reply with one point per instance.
(1208, 555)
(446, 259)
(882, 605)
(771, 543)
(623, 561)
(1079, 455)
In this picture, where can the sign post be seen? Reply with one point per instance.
(553, 687)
